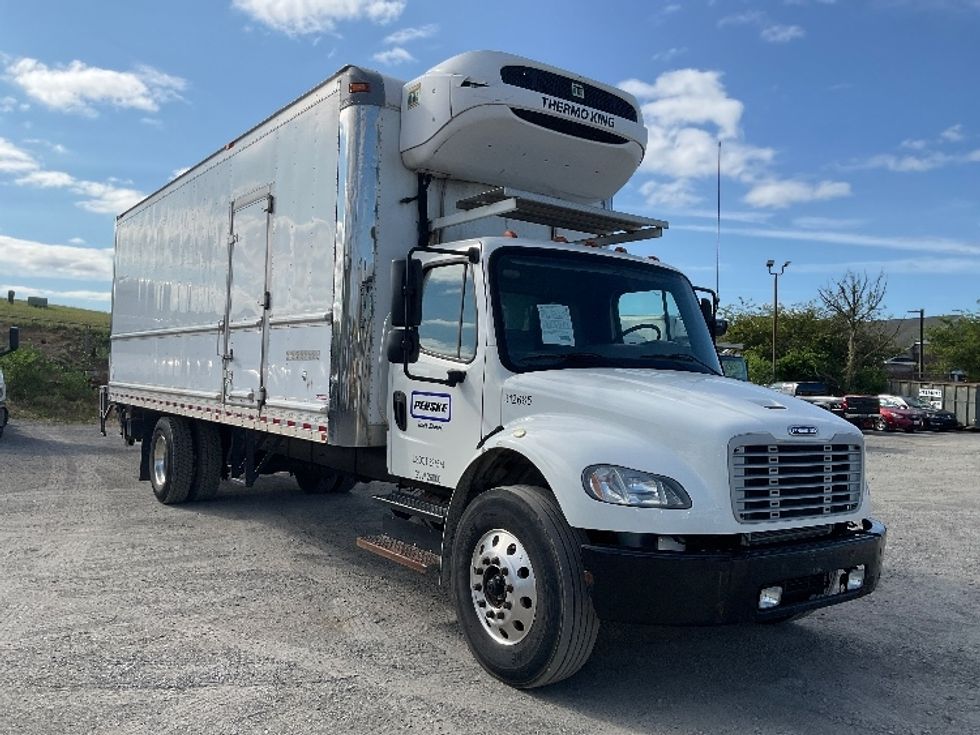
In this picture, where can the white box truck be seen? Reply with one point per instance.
(425, 284)
(13, 343)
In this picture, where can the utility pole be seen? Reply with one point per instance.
(922, 340)
(775, 307)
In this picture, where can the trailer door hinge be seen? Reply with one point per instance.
(270, 203)
(267, 301)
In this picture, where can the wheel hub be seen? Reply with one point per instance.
(503, 586)
(160, 460)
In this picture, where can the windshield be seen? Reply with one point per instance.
(556, 310)
(916, 402)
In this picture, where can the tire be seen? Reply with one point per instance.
(879, 424)
(207, 468)
(171, 460)
(315, 480)
(543, 626)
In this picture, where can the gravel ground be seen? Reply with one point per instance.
(255, 613)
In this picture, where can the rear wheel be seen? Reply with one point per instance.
(879, 424)
(315, 480)
(171, 460)
(207, 468)
(519, 587)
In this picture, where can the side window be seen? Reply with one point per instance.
(448, 326)
(650, 316)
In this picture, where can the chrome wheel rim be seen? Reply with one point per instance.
(160, 461)
(503, 587)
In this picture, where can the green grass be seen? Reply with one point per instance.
(19, 314)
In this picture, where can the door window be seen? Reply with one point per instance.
(448, 327)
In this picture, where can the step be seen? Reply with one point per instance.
(407, 555)
(417, 503)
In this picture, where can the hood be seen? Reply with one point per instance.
(668, 402)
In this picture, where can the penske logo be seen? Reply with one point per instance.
(432, 406)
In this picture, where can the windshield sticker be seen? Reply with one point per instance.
(556, 325)
(432, 406)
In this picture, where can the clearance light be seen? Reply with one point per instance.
(510, 233)
(356, 87)
(770, 597)
(623, 486)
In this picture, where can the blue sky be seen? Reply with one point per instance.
(850, 129)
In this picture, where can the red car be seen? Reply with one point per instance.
(894, 416)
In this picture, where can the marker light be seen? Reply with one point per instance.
(355, 87)
(623, 486)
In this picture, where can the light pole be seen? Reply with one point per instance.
(922, 340)
(775, 307)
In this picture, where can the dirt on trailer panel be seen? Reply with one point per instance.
(255, 612)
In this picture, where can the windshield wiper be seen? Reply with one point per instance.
(562, 358)
(684, 357)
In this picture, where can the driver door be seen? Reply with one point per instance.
(434, 428)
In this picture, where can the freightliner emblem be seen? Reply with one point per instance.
(802, 430)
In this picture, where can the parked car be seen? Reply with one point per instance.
(813, 392)
(934, 419)
(894, 416)
(862, 411)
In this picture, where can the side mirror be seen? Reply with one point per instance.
(707, 311)
(406, 293)
(14, 340)
(721, 327)
(402, 346)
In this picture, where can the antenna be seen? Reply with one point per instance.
(718, 233)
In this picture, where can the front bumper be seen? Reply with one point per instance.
(680, 588)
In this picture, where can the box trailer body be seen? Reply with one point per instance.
(424, 283)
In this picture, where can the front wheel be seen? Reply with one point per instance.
(171, 460)
(519, 588)
(879, 424)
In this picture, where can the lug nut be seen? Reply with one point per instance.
(486, 561)
(496, 561)
(500, 616)
(481, 603)
(510, 588)
(504, 571)
(507, 606)
(477, 587)
(490, 614)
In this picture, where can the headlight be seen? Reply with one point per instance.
(623, 486)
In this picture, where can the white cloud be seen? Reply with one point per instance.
(669, 54)
(100, 198)
(406, 35)
(674, 194)
(768, 31)
(777, 194)
(28, 258)
(393, 56)
(46, 179)
(912, 266)
(891, 162)
(77, 241)
(79, 88)
(953, 134)
(179, 172)
(727, 215)
(687, 96)
(56, 147)
(9, 104)
(24, 291)
(828, 223)
(922, 244)
(14, 159)
(781, 34)
(916, 144)
(303, 17)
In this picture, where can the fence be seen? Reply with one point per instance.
(963, 399)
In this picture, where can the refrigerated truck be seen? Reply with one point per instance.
(425, 283)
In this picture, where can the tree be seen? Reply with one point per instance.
(955, 343)
(854, 303)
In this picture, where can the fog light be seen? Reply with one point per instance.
(855, 578)
(770, 597)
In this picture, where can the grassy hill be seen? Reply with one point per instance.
(63, 358)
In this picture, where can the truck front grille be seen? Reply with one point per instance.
(782, 481)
